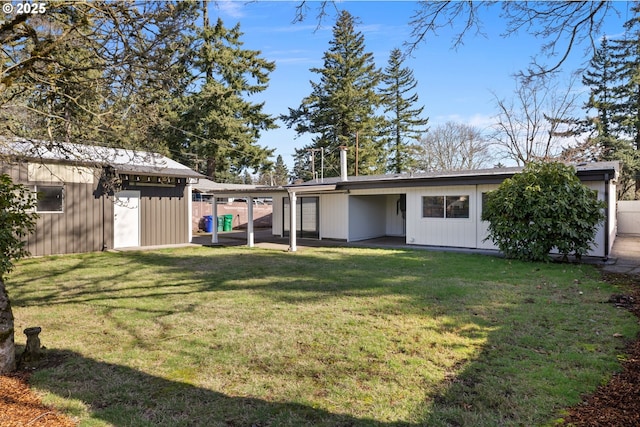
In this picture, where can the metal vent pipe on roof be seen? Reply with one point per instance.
(343, 163)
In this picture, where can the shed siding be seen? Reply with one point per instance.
(483, 226)
(598, 248)
(79, 227)
(164, 215)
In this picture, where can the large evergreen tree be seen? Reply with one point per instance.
(404, 121)
(626, 63)
(600, 78)
(301, 166)
(341, 109)
(614, 81)
(280, 172)
(217, 129)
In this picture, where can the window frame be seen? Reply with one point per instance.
(447, 201)
(37, 189)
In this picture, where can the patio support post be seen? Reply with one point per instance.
(250, 222)
(214, 225)
(292, 218)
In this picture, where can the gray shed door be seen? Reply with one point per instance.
(126, 219)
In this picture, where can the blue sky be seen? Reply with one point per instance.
(453, 85)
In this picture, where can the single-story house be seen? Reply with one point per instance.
(430, 209)
(94, 198)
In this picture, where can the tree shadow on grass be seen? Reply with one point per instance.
(515, 363)
(122, 396)
(292, 278)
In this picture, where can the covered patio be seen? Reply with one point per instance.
(251, 236)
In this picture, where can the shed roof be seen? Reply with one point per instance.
(122, 160)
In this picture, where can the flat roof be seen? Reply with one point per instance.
(594, 171)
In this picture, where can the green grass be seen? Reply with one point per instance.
(323, 337)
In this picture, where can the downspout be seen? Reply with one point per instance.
(104, 216)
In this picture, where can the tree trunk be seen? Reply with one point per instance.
(7, 346)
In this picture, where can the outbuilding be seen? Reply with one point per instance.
(94, 198)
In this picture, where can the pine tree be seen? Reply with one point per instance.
(94, 72)
(626, 62)
(341, 109)
(625, 95)
(600, 77)
(280, 173)
(301, 166)
(219, 126)
(404, 122)
(277, 174)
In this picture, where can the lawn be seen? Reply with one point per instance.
(325, 337)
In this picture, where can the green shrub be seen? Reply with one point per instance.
(17, 220)
(542, 208)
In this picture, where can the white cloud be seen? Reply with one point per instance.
(231, 8)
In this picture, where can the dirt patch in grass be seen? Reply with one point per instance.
(616, 403)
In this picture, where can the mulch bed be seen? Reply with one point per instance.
(21, 407)
(618, 402)
(615, 404)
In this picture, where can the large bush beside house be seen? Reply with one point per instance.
(544, 207)
(17, 219)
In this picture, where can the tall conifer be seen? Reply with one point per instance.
(341, 109)
(626, 96)
(404, 121)
(219, 127)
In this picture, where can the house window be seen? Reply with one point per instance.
(49, 198)
(433, 207)
(445, 207)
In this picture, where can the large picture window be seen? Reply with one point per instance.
(50, 198)
(445, 207)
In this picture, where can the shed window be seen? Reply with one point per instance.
(50, 198)
(445, 207)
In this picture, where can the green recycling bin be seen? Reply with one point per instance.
(220, 222)
(228, 223)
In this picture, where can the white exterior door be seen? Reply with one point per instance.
(126, 219)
